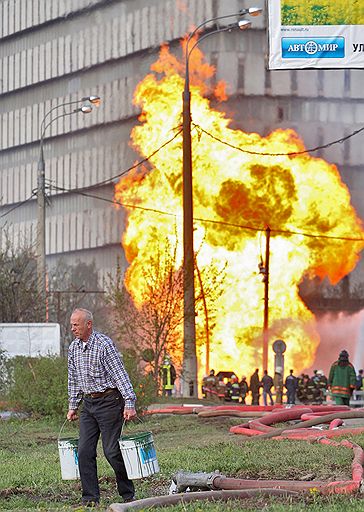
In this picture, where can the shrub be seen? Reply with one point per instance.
(38, 384)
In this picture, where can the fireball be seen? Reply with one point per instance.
(242, 183)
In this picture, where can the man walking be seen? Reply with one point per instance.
(96, 376)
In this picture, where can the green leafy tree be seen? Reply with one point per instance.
(19, 298)
(154, 327)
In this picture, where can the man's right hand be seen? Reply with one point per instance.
(72, 415)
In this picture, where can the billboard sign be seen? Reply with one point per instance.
(319, 34)
(30, 339)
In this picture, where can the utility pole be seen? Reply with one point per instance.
(189, 372)
(41, 263)
(266, 300)
(189, 356)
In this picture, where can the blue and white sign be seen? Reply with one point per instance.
(306, 35)
(309, 47)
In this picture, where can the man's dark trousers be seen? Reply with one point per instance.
(291, 396)
(102, 416)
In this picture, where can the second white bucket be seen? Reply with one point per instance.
(139, 455)
(68, 456)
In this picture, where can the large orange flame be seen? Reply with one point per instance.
(237, 190)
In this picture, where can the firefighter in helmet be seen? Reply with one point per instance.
(168, 375)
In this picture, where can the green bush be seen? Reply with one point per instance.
(38, 385)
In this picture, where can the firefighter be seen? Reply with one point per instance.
(221, 388)
(244, 389)
(311, 390)
(233, 389)
(209, 385)
(342, 379)
(168, 372)
(321, 386)
(302, 388)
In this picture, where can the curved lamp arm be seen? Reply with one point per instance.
(94, 100)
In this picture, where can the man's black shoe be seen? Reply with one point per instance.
(129, 500)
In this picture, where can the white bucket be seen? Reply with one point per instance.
(68, 456)
(139, 455)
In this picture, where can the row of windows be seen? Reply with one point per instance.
(75, 169)
(17, 15)
(112, 39)
(22, 126)
(93, 227)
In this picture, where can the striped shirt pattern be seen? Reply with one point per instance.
(95, 366)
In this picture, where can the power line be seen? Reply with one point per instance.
(211, 221)
(199, 128)
(93, 196)
(281, 231)
(140, 162)
(18, 205)
(108, 180)
(293, 153)
(228, 224)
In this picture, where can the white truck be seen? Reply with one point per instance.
(30, 339)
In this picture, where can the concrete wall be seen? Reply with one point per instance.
(56, 51)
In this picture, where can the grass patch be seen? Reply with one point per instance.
(30, 476)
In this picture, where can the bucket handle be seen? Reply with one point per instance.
(59, 435)
(124, 422)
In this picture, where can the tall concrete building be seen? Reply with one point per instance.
(56, 51)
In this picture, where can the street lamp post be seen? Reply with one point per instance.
(266, 301)
(189, 378)
(86, 107)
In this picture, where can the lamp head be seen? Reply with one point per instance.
(95, 100)
(252, 11)
(255, 11)
(86, 108)
(244, 24)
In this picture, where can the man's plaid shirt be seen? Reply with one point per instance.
(95, 366)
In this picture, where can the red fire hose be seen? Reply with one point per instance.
(195, 409)
(261, 428)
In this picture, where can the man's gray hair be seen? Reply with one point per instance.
(86, 312)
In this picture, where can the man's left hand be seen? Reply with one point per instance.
(129, 413)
